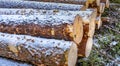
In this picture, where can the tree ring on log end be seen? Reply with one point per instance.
(77, 29)
(72, 56)
(98, 2)
(88, 46)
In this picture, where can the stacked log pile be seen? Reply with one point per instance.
(49, 32)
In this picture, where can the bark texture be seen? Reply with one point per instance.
(87, 3)
(38, 5)
(49, 52)
(51, 26)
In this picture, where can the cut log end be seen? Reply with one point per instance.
(98, 22)
(78, 29)
(101, 8)
(107, 3)
(88, 47)
(92, 24)
(98, 2)
(72, 56)
(85, 47)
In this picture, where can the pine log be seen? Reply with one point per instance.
(85, 47)
(98, 21)
(93, 3)
(23, 11)
(62, 1)
(87, 3)
(47, 26)
(10, 62)
(107, 3)
(87, 16)
(38, 5)
(49, 52)
(101, 8)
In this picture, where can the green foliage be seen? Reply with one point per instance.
(115, 1)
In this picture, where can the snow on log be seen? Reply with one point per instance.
(85, 47)
(87, 3)
(47, 26)
(38, 5)
(10, 62)
(48, 52)
(86, 15)
(62, 1)
(107, 3)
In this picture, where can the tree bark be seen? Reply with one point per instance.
(88, 17)
(49, 52)
(47, 26)
(87, 3)
(38, 5)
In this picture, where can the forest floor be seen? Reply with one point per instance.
(106, 47)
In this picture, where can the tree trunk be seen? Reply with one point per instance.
(38, 5)
(49, 52)
(47, 26)
(86, 15)
(87, 3)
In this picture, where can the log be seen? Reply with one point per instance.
(107, 3)
(93, 3)
(87, 3)
(98, 21)
(10, 62)
(23, 11)
(101, 8)
(85, 47)
(62, 1)
(38, 5)
(88, 17)
(46, 26)
(48, 52)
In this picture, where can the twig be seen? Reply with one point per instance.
(111, 29)
(107, 55)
